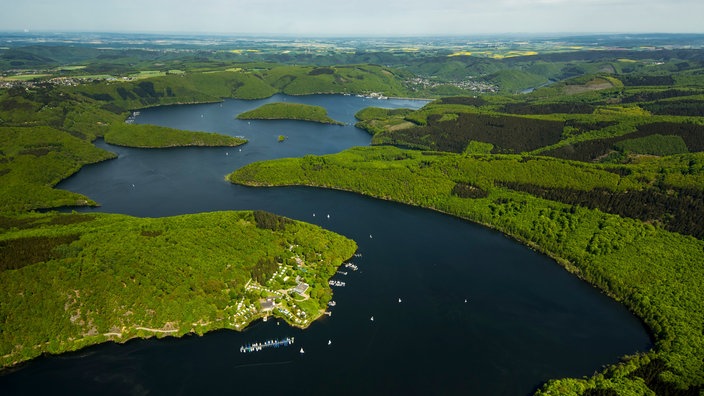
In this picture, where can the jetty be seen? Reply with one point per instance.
(351, 266)
(258, 346)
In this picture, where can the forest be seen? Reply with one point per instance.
(72, 280)
(289, 111)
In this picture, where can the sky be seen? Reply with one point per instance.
(354, 17)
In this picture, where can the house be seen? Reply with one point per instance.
(301, 288)
(268, 304)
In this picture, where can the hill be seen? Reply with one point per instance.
(289, 111)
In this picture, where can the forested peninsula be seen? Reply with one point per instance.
(72, 280)
(289, 111)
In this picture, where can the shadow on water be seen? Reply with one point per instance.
(457, 308)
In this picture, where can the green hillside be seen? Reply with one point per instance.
(72, 280)
(289, 111)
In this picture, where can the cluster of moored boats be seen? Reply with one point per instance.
(258, 346)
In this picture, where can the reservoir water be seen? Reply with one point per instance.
(457, 308)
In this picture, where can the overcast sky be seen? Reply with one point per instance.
(355, 17)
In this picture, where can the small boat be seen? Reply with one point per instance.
(302, 350)
(370, 236)
(399, 300)
(329, 342)
(372, 319)
(328, 216)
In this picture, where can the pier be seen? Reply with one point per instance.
(258, 346)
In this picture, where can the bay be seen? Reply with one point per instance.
(457, 308)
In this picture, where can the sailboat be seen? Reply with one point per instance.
(302, 350)
(329, 342)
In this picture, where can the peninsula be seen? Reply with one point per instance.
(73, 280)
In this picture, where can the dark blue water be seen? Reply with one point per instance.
(526, 320)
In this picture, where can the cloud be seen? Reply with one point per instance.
(363, 17)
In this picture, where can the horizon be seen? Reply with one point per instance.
(365, 18)
(264, 35)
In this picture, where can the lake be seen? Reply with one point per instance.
(479, 314)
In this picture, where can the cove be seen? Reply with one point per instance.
(526, 320)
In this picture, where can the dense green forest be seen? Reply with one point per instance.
(289, 111)
(152, 136)
(71, 280)
(598, 164)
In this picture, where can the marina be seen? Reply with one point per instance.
(258, 346)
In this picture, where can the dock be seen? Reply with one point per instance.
(258, 346)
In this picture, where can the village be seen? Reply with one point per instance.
(286, 295)
(419, 83)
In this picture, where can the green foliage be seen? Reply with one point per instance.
(515, 81)
(475, 147)
(466, 190)
(654, 145)
(152, 136)
(649, 269)
(376, 120)
(34, 159)
(360, 79)
(289, 111)
(178, 88)
(264, 269)
(67, 282)
(270, 221)
(18, 253)
(453, 132)
(374, 113)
